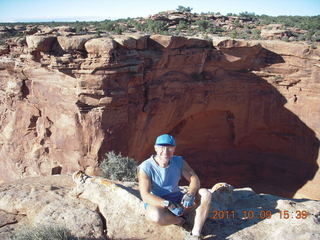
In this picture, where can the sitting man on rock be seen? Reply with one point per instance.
(159, 177)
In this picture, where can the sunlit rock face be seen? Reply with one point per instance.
(242, 112)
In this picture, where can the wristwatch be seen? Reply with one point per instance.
(166, 203)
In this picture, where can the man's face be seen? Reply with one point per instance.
(164, 153)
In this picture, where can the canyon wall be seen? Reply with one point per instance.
(242, 112)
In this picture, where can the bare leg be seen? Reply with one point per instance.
(202, 211)
(162, 216)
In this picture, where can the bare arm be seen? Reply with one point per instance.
(192, 177)
(145, 187)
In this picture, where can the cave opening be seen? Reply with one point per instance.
(233, 124)
(263, 159)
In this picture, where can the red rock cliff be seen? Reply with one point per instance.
(246, 113)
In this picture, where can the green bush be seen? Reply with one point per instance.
(107, 25)
(243, 35)
(184, 9)
(233, 34)
(43, 232)
(118, 29)
(203, 24)
(316, 36)
(256, 34)
(183, 25)
(247, 14)
(301, 37)
(97, 34)
(154, 26)
(116, 167)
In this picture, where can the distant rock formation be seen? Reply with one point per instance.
(97, 208)
(243, 112)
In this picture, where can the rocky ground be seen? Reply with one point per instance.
(184, 23)
(98, 208)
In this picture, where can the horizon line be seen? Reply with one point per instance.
(100, 18)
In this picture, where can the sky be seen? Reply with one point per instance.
(96, 10)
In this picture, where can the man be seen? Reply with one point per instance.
(159, 177)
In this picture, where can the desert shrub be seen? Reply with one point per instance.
(243, 35)
(138, 26)
(256, 33)
(203, 24)
(119, 29)
(233, 34)
(97, 34)
(79, 29)
(247, 14)
(301, 37)
(152, 26)
(183, 25)
(316, 36)
(309, 35)
(43, 232)
(107, 25)
(184, 9)
(117, 167)
(237, 23)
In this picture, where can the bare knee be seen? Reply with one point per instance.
(205, 196)
(155, 215)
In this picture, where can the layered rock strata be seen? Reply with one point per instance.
(242, 112)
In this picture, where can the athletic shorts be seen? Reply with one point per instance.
(173, 197)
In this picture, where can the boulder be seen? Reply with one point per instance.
(40, 43)
(274, 34)
(100, 46)
(46, 201)
(126, 41)
(73, 43)
(173, 42)
(121, 206)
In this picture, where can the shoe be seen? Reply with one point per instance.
(189, 236)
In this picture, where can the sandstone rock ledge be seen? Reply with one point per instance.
(253, 105)
(99, 209)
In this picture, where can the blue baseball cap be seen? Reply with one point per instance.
(165, 139)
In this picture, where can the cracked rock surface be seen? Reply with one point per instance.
(97, 208)
(46, 200)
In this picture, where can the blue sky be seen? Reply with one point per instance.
(36, 10)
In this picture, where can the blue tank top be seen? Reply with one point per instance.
(164, 181)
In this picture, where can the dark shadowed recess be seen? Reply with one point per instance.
(245, 137)
(230, 124)
(259, 143)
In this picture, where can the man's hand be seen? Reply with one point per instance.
(175, 209)
(188, 200)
